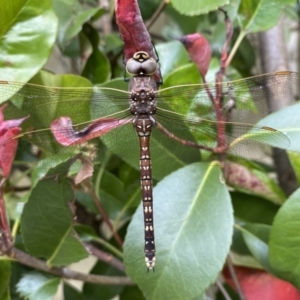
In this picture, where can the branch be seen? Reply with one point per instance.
(223, 290)
(28, 260)
(273, 54)
(6, 241)
(105, 257)
(234, 278)
(102, 212)
(157, 13)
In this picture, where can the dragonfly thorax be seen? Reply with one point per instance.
(142, 96)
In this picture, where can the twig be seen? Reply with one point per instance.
(108, 246)
(105, 257)
(105, 20)
(6, 241)
(219, 78)
(223, 290)
(235, 47)
(41, 265)
(234, 278)
(224, 53)
(102, 212)
(157, 13)
(17, 189)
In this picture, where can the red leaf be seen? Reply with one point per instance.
(62, 129)
(257, 284)
(238, 175)
(132, 29)
(9, 129)
(199, 50)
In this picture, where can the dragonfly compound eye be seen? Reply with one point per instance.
(141, 64)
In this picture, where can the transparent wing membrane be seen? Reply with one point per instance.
(185, 116)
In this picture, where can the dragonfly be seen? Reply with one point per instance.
(184, 123)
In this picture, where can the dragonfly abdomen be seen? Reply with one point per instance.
(143, 125)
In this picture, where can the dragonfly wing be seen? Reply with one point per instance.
(42, 105)
(244, 100)
(241, 140)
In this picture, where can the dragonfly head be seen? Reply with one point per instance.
(141, 64)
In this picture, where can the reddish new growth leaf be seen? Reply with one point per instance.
(199, 50)
(238, 175)
(257, 284)
(9, 129)
(62, 129)
(132, 29)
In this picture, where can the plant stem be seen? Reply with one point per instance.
(103, 213)
(108, 246)
(234, 278)
(106, 257)
(28, 260)
(223, 290)
(157, 13)
(235, 47)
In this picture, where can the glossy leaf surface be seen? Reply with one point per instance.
(35, 286)
(256, 237)
(190, 8)
(286, 120)
(284, 241)
(20, 57)
(261, 15)
(47, 224)
(193, 229)
(72, 15)
(5, 273)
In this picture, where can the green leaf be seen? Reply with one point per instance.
(171, 55)
(193, 8)
(131, 293)
(38, 286)
(186, 74)
(47, 224)
(285, 241)
(112, 195)
(193, 229)
(72, 15)
(27, 34)
(253, 209)
(97, 67)
(70, 293)
(245, 261)
(260, 15)
(295, 162)
(5, 273)
(256, 237)
(287, 121)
